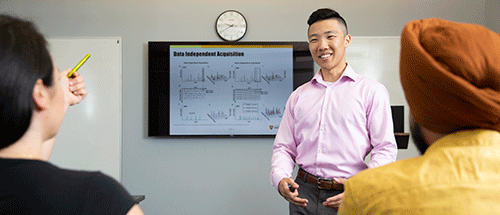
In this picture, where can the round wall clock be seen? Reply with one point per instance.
(231, 25)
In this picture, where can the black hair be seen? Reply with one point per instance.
(326, 13)
(24, 58)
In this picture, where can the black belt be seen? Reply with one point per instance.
(322, 183)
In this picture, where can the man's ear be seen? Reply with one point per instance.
(41, 95)
(347, 41)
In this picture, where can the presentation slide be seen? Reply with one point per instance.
(229, 89)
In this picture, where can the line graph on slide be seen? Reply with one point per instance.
(272, 112)
(188, 74)
(219, 114)
(190, 114)
(274, 77)
(242, 75)
(218, 77)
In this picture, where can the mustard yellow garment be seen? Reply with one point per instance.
(458, 174)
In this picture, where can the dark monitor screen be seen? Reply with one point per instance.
(221, 88)
(398, 118)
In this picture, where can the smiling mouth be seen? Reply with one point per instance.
(325, 56)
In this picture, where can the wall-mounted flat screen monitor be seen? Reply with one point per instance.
(222, 89)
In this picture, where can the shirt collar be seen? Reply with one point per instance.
(476, 137)
(348, 74)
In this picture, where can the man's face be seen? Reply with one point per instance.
(327, 44)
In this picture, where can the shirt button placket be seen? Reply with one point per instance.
(322, 129)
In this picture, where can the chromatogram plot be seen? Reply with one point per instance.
(191, 118)
(218, 77)
(247, 75)
(195, 75)
(272, 113)
(274, 77)
(188, 115)
(218, 115)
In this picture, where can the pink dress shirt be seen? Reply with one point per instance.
(329, 129)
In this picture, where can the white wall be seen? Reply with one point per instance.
(215, 175)
(493, 15)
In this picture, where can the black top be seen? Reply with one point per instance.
(38, 187)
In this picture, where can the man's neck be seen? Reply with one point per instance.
(334, 74)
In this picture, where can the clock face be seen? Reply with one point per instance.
(231, 25)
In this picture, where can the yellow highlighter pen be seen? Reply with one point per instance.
(78, 65)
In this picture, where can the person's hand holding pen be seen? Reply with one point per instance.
(73, 82)
(289, 190)
(74, 88)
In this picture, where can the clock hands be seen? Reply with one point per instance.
(229, 26)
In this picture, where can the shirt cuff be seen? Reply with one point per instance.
(277, 177)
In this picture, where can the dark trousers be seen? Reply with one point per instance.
(315, 196)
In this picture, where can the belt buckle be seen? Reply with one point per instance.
(321, 185)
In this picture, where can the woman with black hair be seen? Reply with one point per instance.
(34, 97)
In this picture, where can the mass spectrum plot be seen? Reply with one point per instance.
(274, 77)
(272, 112)
(188, 74)
(247, 75)
(191, 118)
(190, 115)
(219, 115)
(219, 77)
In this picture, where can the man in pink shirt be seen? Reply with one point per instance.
(330, 125)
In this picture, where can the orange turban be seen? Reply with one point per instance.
(450, 74)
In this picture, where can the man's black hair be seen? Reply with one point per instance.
(326, 13)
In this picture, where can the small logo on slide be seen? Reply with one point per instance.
(271, 127)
